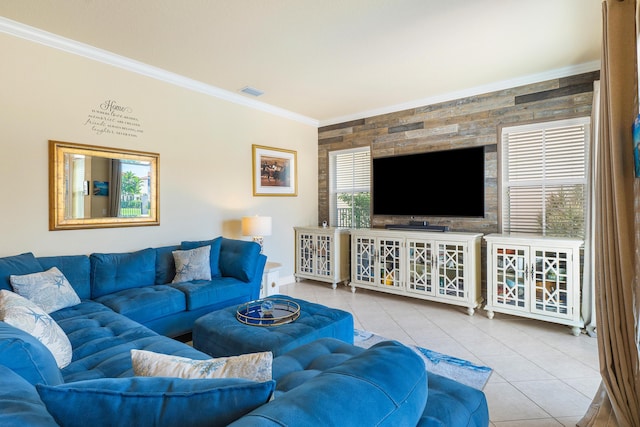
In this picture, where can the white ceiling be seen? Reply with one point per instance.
(335, 60)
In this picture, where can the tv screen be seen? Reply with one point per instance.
(438, 183)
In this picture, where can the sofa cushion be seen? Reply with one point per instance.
(305, 362)
(49, 290)
(146, 303)
(153, 401)
(165, 264)
(239, 259)
(24, 314)
(17, 264)
(253, 366)
(386, 385)
(112, 272)
(202, 293)
(76, 268)
(27, 356)
(214, 257)
(451, 403)
(102, 341)
(192, 264)
(20, 402)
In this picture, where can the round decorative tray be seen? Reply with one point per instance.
(268, 312)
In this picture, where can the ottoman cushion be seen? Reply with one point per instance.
(220, 334)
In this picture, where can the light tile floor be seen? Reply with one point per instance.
(542, 375)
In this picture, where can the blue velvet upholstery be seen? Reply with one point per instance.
(17, 264)
(151, 401)
(200, 293)
(165, 264)
(146, 303)
(75, 268)
(452, 404)
(214, 257)
(221, 334)
(102, 340)
(27, 356)
(360, 391)
(238, 259)
(305, 362)
(20, 404)
(117, 271)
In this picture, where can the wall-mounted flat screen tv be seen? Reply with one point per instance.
(438, 183)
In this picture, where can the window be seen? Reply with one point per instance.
(349, 188)
(544, 177)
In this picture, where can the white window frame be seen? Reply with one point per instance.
(559, 164)
(353, 188)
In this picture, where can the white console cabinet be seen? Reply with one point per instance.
(438, 266)
(534, 276)
(322, 253)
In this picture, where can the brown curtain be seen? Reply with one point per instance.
(617, 402)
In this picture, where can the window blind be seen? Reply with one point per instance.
(544, 177)
(350, 182)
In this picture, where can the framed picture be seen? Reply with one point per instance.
(100, 188)
(274, 172)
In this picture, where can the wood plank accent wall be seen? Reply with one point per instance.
(466, 122)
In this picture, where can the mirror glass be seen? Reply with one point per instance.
(94, 187)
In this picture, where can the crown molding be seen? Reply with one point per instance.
(36, 35)
(478, 90)
(45, 38)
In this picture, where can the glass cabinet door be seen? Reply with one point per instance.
(511, 279)
(450, 271)
(551, 269)
(420, 267)
(305, 255)
(364, 259)
(389, 262)
(323, 248)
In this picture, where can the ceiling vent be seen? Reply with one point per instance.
(251, 91)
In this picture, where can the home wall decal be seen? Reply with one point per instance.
(111, 118)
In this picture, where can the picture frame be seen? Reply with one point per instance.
(275, 171)
(100, 188)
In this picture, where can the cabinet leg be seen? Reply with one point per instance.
(575, 331)
(470, 311)
(334, 285)
(353, 289)
(490, 314)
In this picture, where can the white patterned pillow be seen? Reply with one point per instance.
(50, 290)
(253, 366)
(192, 264)
(26, 315)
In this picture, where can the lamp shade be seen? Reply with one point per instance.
(256, 226)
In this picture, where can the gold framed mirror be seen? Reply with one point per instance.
(99, 187)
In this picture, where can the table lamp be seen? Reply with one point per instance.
(257, 227)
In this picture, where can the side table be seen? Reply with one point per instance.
(270, 277)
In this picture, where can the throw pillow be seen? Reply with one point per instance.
(214, 258)
(254, 366)
(50, 290)
(192, 264)
(23, 314)
(158, 402)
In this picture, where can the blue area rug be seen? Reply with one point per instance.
(448, 366)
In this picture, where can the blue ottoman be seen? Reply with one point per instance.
(220, 334)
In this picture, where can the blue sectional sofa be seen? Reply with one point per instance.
(138, 284)
(326, 382)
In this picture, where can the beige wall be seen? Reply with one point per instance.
(204, 145)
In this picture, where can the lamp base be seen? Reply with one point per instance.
(259, 240)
